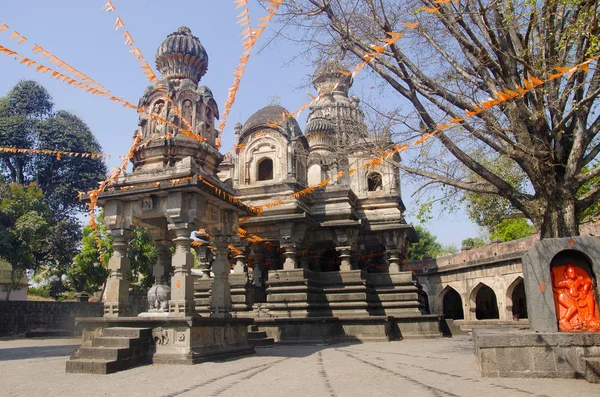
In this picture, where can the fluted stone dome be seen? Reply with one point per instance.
(332, 74)
(319, 125)
(182, 56)
(269, 114)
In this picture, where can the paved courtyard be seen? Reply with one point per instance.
(440, 367)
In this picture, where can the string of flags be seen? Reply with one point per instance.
(135, 51)
(250, 37)
(58, 153)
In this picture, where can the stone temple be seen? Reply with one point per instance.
(334, 253)
(324, 266)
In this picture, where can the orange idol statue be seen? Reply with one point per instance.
(576, 308)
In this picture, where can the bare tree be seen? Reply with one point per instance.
(464, 53)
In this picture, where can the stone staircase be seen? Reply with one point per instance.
(118, 348)
(259, 338)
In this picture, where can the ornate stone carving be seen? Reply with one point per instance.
(576, 308)
(160, 336)
(158, 298)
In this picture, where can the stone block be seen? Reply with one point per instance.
(592, 369)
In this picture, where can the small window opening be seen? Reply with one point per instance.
(265, 170)
(374, 182)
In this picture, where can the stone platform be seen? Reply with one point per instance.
(528, 354)
(178, 340)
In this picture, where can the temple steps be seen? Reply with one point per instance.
(259, 338)
(118, 348)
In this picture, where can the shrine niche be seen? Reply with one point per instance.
(561, 284)
(575, 293)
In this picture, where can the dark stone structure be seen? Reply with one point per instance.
(17, 317)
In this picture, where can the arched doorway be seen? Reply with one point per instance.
(452, 305)
(517, 300)
(486, 304)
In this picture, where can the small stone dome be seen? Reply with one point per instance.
(332, 74)
(319, 125)
(273, 113)
(182, 56)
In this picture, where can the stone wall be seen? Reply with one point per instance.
(21, 316)
(497, 266)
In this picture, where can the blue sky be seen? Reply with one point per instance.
(81, 34)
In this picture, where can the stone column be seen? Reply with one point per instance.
(205, 257)
(116, 303)
(289, 251)
(258, 273)
(220, 297)
(240, 261)
(394, 260)
(182, 283)
(345, 256)
(161, 269)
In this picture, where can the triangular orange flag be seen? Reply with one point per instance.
(3, 27)
(22, 39)
(119, 23)
(13, 35)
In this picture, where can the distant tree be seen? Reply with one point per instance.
(473, 242)
(25, 230)
(450, 249)
(27, 121)
(89, 270)
(512, 229)
(426, 246)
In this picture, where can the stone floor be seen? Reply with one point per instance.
(441, 367)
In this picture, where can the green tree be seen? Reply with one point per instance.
(27, 121)
(89, 270)
(512, 229)
(473, 242)
(426, 246)
(25, 227)
(456, 58)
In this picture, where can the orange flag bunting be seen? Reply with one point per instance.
(108, 7)
(3, 27)
(119, 23)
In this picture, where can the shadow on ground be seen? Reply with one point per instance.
(22, 353)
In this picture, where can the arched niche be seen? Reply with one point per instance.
(485, 302)
(374, 182)
(452, 305)
(264, 169)
(516, 301)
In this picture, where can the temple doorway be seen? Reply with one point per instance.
(486, 304)
(518, 299)
(452, 305)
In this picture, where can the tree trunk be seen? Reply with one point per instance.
(555, 216)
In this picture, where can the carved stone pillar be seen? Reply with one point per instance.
(258, 273)
(117, 286)
(205, 257)
(240, 261)
(289, 251)
(182, 283)
(161, 269)
(220, 298)
(345, 258)
(394, 260)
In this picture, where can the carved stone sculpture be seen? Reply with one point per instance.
(576, 308)
(158, 298)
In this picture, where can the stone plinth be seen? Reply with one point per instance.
(528, 354)
(393, 294)
(180, 340)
